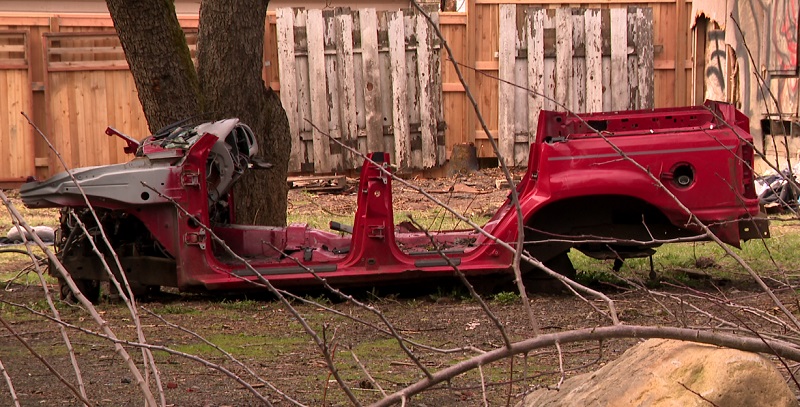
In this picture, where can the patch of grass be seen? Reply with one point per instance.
(34, 217)
(240, 304)
(260, 347)
(506, 298)
(13, 263)
(311, 211)
(175, 309)
(322, 299)
(593, 278)
(769, 257)
(456, 293)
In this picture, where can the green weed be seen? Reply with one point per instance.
(240, 305)
(506, 298)
(175, 309)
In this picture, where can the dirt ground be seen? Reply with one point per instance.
(263, 335)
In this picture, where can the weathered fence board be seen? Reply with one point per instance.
(373, 119)
(507, 62)
(289, 89)
(576, 59)
(16, 135)
(594, 61)
(374, 83)
(619, 59)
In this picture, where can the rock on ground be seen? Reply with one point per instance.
(663, 372)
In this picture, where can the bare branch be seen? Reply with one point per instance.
(49, 298)
(129, 300)
(44, 361)
(83, 301)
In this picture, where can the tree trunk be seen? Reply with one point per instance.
(159, 59)
(226, 84)
(230, 60)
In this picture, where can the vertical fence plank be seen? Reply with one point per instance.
(507, 59)
(5, 144)
(397, 56)
(563, 56)
(372, 81)
(304, 117)
(8, 129)
(522, 135)
(288, 80)
(436, 92)
(318, 93)
(427, 114)
(97, 87)
(594, 61)
(412, 87)
(578, 93)
(549, 66)
(78, 105)
(386, 90)
(58, 115)
(334, 118)
(643, 37)
(605, 29)
(619, 59)
(633, 68)
(535, 38)
(115, 153)
(347, 86)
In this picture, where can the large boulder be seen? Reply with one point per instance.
(663, 373)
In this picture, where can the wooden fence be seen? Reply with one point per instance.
(78, 83)
(369, 79)
(577, 59)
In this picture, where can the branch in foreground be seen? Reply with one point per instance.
(44, 361)
(778, 348)
(148, 394)
(130, 302)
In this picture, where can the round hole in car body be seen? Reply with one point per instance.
(683, 175)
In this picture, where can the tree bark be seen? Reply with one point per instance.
(230, 61)
(159, 59)
(227, 83)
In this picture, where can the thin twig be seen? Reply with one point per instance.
(483, 386)
(10, 384)
(514, 195)
(296, 314)
(229, 357)
(366, 373)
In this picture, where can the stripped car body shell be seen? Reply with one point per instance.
(578, 192)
